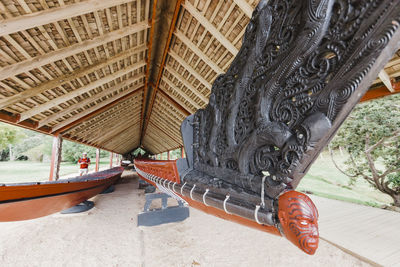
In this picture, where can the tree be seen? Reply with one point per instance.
(9, 135)
(371, 136)
(73, 151)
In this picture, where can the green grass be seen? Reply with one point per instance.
(323, 179)
(28, 171)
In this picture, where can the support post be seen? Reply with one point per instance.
(182, 152)
(168, 155)
(55, 158)
(111, 159)
(97, 160)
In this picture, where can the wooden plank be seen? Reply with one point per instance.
(173, 102)
(89, 100)
(118, 112)
(380, 92)
(192, 71)
(210, 27)
(56, 101)
(147, 113)
(198, 52)
(8, 101)
(62, 53)
(177, 91)
(47, 16)
(245, 7)
(187, 84)
(95, 109)
(146, 87)
(119, 128)
(112, 127)
(386, 80)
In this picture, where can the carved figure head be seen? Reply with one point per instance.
(298, 217)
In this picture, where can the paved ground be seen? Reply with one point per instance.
(108, 235)
(370, 233)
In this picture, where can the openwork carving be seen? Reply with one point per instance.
(302, 67)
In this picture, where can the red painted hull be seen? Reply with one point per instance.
(29, 201)
(167, 169)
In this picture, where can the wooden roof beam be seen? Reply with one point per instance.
(100, 132)
(94, 112)
(150, 45)
(384, 77)
(47, 16)
(210, 27)
(121, 139)
(157, 138)
(173, 102)
(98, 125)
(187, 84)
(89, 100)
(179, 91)
(65, 52)
(189, 68)
(146, 113)
(245, 7)
(31, 125)
(8, 101)
(380, 92)
(94, 108)
(119, 128)
(80, 91)
(198, 52)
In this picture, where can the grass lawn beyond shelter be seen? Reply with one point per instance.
(29, 171)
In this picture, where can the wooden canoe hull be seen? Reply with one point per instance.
(167, 169)
(29, 201)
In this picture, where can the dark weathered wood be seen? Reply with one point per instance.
(302, 67)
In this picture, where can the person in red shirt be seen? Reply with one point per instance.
(83, 163)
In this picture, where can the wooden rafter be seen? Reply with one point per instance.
(146, 115)
(67, 78)
(210, 27)
(55, 14)
(82, 90)
(243, 5)
(91, 99)
(384, 76)
(93, 113)
(93, 109)
(146, 86)
(62, 53)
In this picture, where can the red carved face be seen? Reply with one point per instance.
(299, 220)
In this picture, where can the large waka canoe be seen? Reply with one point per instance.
(24, 201)
(302, 68)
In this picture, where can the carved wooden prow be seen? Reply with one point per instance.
(302, 67)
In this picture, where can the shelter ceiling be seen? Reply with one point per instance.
(124, 73)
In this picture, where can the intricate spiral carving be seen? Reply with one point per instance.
(299, 66)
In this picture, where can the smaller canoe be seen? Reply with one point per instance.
(25, 201)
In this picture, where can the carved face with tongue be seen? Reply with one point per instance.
(298, 219)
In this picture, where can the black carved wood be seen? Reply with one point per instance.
(302, 67)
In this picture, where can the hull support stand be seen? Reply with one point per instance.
(163, 215)
(81, 207)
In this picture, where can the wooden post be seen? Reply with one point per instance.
(55, 158)
(111, 159)
(97, 160)
(168, 155)
(182, 152)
